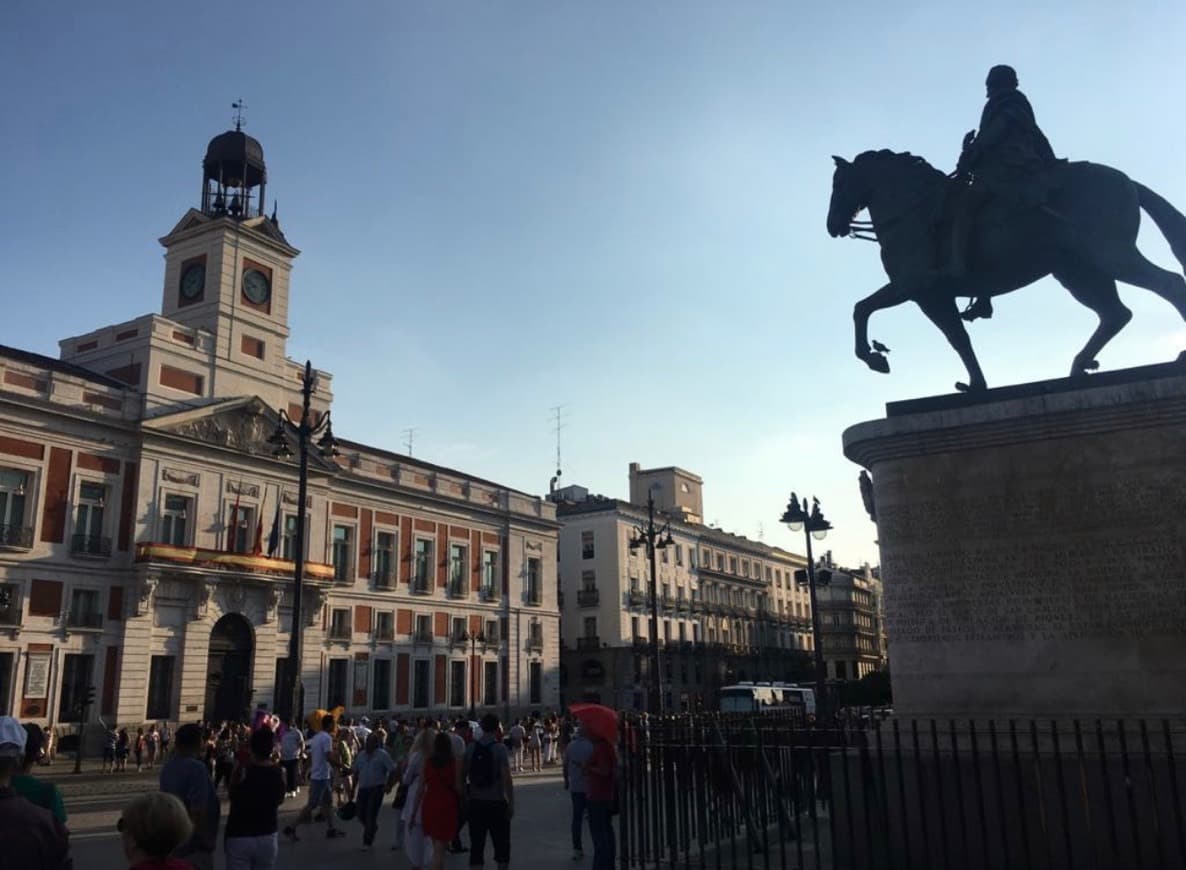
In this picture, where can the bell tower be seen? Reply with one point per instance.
(227, 263)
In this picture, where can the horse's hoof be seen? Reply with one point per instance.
(1092, 365)
(878, 363)
(970, 388)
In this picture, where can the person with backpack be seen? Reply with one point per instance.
(491, 795)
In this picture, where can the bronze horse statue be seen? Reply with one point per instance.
(1084, 235)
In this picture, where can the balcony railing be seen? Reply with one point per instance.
(534, 596)
(535, 642)
(16, 538)
(588, 597)
(385, 633)
(458, 638)
(589, 642)
(491, 641)
(384, 578)
(422, 635)
(421, 586)
(458, 589)
(342, 572)
(84, 619)
(340, 632)
(488, 592)
(636, 598)
(90, 545)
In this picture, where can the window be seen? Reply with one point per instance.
(458, 587)
(667, 630)
(768, 574)
(665, 556)
(422, 577)
(384, 551)
(633, 584)
(174, 528)
(590, 626)
(456, 684)
(343, 538)
(490, 684)
(384, 625)
(289, 536)
(240, 529)
(160, 688)
(420, 685)
(534, 581)
(536, 680)
(423, 627)
(381, 684)
(679, 554)
(76, 679)
(491, 631)
(696, 632)
(634, 628)
(720, 562)
(84, 609)
(459, 632)
(339, 624)
(88, 521)
(587, 549)
(535, 635)
(10, 609)
(489, 575)
(705, 557)
(335, 691)
(14, 489)
(683, 633)
(744, 568)
(589, 580)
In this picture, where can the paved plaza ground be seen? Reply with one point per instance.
(539, 832)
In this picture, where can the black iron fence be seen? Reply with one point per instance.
(724, 791)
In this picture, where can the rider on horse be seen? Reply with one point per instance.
(1004, 160)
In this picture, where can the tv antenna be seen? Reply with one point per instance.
(238, 106)
(558, 416)
(409, 437)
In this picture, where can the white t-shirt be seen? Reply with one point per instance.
(291, 744)
(319, 749)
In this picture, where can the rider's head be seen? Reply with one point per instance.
(1001, 78)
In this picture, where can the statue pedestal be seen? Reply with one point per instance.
(1033, 547)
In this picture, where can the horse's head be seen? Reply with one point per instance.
(850, 194)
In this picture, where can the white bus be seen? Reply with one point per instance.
(746, 697)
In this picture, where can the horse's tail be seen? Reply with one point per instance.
(1169, 220)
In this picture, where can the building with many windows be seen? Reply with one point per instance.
(147, 531)
(728, 607)
(852, 629)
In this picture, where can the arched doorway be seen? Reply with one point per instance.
(228, 669)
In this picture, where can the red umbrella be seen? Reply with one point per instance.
(598, 720)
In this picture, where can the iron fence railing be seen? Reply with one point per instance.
(766, 791)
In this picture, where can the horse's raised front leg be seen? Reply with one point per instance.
(944, 314)
(886, 297)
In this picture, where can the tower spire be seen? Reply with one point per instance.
(238, 106)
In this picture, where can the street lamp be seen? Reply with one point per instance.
(305, 430)
(653, 538)
(474, 640)
(813, 525)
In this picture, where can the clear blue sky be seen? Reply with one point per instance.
(616, 206)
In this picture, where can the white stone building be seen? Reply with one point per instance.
(138, 493)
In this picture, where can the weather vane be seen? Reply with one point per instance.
(238, 106)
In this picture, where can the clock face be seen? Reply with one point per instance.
(256, 286)
(193, 280)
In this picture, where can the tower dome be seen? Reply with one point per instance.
(232, 170)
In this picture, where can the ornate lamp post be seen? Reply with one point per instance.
(653, 538)
(474, 640)
(813, 525)
(305, 430)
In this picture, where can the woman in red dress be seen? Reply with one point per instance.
(440, 798)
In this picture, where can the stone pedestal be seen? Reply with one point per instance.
(1033, 547)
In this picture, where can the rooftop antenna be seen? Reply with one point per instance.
(409, 435)
(761, 532)
(558, 415)
(238, 106)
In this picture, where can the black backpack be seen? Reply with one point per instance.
(482, 767)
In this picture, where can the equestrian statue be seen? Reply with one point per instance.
(1009, 215)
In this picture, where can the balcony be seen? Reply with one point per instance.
(491, 641)
(667, 602)
(535, 643)
(90, 546)
(383, 578)
(421, 586)
(589, 643)
(220, 560)
(637, 598)
(84, 620)
(16, 538)
(422, 636)
(588, 598)
(385, 634)
(488, 592)
(458, 589)
(341, 632)
(457, 639)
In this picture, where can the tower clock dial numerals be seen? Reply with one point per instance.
(256, 286)
(193, 281)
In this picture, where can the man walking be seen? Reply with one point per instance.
(576, 756)
(322, 763)
(186, 778)
(491, 795)
(374, 775)
(292, 744)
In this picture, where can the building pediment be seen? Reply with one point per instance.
(242, 425)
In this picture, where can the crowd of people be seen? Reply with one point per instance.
(442, 778)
